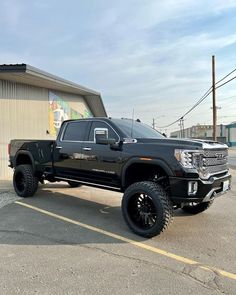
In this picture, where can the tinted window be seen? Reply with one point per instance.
(75, 131)
(136, 129)
(98, 124)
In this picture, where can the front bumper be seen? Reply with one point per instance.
(207, 189)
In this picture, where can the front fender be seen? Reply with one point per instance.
(157, 162)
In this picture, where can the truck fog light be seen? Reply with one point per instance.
(192, 188)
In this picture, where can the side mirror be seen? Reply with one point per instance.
(101, 136)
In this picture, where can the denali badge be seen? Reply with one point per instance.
(220, 156)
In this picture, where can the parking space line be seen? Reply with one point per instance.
(132, 242)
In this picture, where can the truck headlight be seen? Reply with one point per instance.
(189, 158)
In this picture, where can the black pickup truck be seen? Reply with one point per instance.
(156, 174)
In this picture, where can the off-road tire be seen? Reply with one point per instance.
(161, 204)
(24, 181)
(197, 208)
(73, 184)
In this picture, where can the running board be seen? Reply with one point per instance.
(89, 183)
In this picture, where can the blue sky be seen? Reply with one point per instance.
(153, 56)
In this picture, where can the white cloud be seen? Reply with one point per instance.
(154, 55)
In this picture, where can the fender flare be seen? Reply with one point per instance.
(27, 153)
(136, 160)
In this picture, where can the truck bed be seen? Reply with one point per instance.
(40, 150)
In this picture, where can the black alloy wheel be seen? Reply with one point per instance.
(146, 208)
(24, 181)
(141, 210)
(20, 181)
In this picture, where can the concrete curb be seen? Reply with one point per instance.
(7, 198)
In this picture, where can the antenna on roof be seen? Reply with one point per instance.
(132, 128)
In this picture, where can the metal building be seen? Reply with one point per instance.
(231, 134)
(201, 132)
(33, 104)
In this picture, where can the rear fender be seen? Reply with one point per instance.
(24, 153)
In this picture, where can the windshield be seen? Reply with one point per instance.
(136, 129)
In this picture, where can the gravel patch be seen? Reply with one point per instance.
(7, 198)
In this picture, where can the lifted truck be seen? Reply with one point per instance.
(156, 174)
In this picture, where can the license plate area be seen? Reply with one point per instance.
(225, 186)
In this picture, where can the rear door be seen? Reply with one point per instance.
(67, 151)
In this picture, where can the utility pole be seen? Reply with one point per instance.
(181, 125)
(180, 128)
(153, 123)
(214, 97)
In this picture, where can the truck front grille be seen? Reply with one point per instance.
(215, 161)
(214, 153)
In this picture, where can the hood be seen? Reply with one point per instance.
(185, 143)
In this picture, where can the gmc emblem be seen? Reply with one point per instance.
(220, 156)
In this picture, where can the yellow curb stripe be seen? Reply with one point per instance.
(132, 242)
(219, 271)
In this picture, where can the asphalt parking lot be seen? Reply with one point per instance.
(232, 158)
(74, 241)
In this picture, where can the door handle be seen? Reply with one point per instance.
(59, 147)
(87, 149)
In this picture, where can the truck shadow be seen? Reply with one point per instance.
(23, 226)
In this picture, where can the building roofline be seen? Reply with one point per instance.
(14, 71)
(12, 68)
(25, 68)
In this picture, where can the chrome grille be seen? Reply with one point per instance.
(215, 169)
(215, 161)
(212, 153)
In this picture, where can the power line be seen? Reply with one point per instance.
(220, 99)
(225, 76)
(227, 116)
(207, 93)
(169, 124)
(225, 82)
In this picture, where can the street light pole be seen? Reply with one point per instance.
(214, 98)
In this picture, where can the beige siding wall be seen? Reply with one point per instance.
(24, 114)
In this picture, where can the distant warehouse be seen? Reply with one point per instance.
(34, 103)
(231, 134)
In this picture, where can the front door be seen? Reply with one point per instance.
(100, 163)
